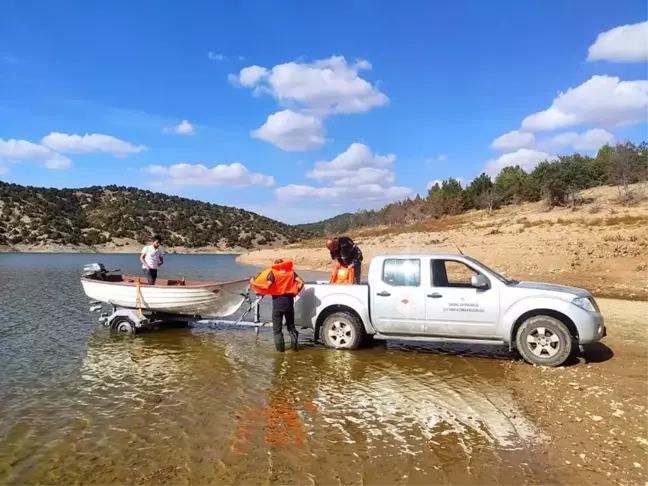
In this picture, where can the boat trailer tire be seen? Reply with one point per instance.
(342, 330)
(544, 340)
(123, 325)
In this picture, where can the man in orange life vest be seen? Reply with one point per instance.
(284, 284)
(347, 253)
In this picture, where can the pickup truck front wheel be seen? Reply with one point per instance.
(342, 330)
(544, 340)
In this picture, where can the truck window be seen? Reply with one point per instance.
(450, 273)
(402, 272)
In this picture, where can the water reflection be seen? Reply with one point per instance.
(217, 405)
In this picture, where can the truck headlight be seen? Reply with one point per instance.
(586, 303)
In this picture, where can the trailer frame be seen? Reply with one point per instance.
(125, 320)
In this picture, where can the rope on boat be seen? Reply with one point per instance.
(139, 300)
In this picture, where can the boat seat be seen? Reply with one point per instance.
(175, 282)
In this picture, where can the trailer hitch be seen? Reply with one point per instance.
(253, 305)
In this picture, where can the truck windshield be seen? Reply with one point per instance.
(497, 275)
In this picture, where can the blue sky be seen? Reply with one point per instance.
(302, 110)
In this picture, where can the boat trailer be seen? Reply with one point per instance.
(130, 321)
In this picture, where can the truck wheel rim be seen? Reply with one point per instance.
(543, 342)
(340, 333)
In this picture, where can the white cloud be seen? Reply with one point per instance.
(364, 175)
(364, 192)
(249, 76)
(356, 174)
(213, 56)
(526, 158)
(236, 175)
(293, 214)
(590, 140)
(602, 100)
(292, 131)
(84, 144)
(626, 43)
(514, 140)
(58, 161)
(22, 150)
(323, 87)
(183, 128)
(356, 165)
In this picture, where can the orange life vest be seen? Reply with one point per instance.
(284, 280)
(342, 275)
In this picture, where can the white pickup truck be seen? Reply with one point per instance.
(451, 298)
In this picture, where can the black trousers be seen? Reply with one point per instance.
(151, 275)
(357, 269)
(278, 316)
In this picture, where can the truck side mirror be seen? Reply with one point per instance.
(479, 281)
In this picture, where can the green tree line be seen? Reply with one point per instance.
(558, 182)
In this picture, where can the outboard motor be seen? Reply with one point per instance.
(95, 270)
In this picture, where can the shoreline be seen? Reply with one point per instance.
(127, 250)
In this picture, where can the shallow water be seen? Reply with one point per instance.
(217, 405)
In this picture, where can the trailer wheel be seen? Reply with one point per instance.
(123, 325)
(342, 330)
(544, 340)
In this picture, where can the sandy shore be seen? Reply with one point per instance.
(601, 247)
(595, 410)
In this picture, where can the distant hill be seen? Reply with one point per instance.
(105, 215)
(336, 224)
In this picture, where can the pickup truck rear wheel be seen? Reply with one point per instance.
(544, 340)
(342, 330)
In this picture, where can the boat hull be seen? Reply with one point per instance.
(212, 300)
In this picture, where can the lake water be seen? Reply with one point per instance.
(218, 405)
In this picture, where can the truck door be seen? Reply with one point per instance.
(454, 307)
(398, 297)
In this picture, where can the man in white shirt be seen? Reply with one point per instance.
(152, 258)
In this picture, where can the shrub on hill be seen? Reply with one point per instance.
(97, 215)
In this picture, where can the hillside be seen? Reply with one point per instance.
(115, 217)
(558, 183)
(336, 224)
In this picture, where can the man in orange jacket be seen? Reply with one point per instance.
(347, 254)
(288, 284)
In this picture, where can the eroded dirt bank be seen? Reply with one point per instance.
(600, 246)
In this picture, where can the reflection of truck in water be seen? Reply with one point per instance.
(451, 298)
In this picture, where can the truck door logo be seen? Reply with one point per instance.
(406, 305)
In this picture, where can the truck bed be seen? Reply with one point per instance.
(318, 295)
